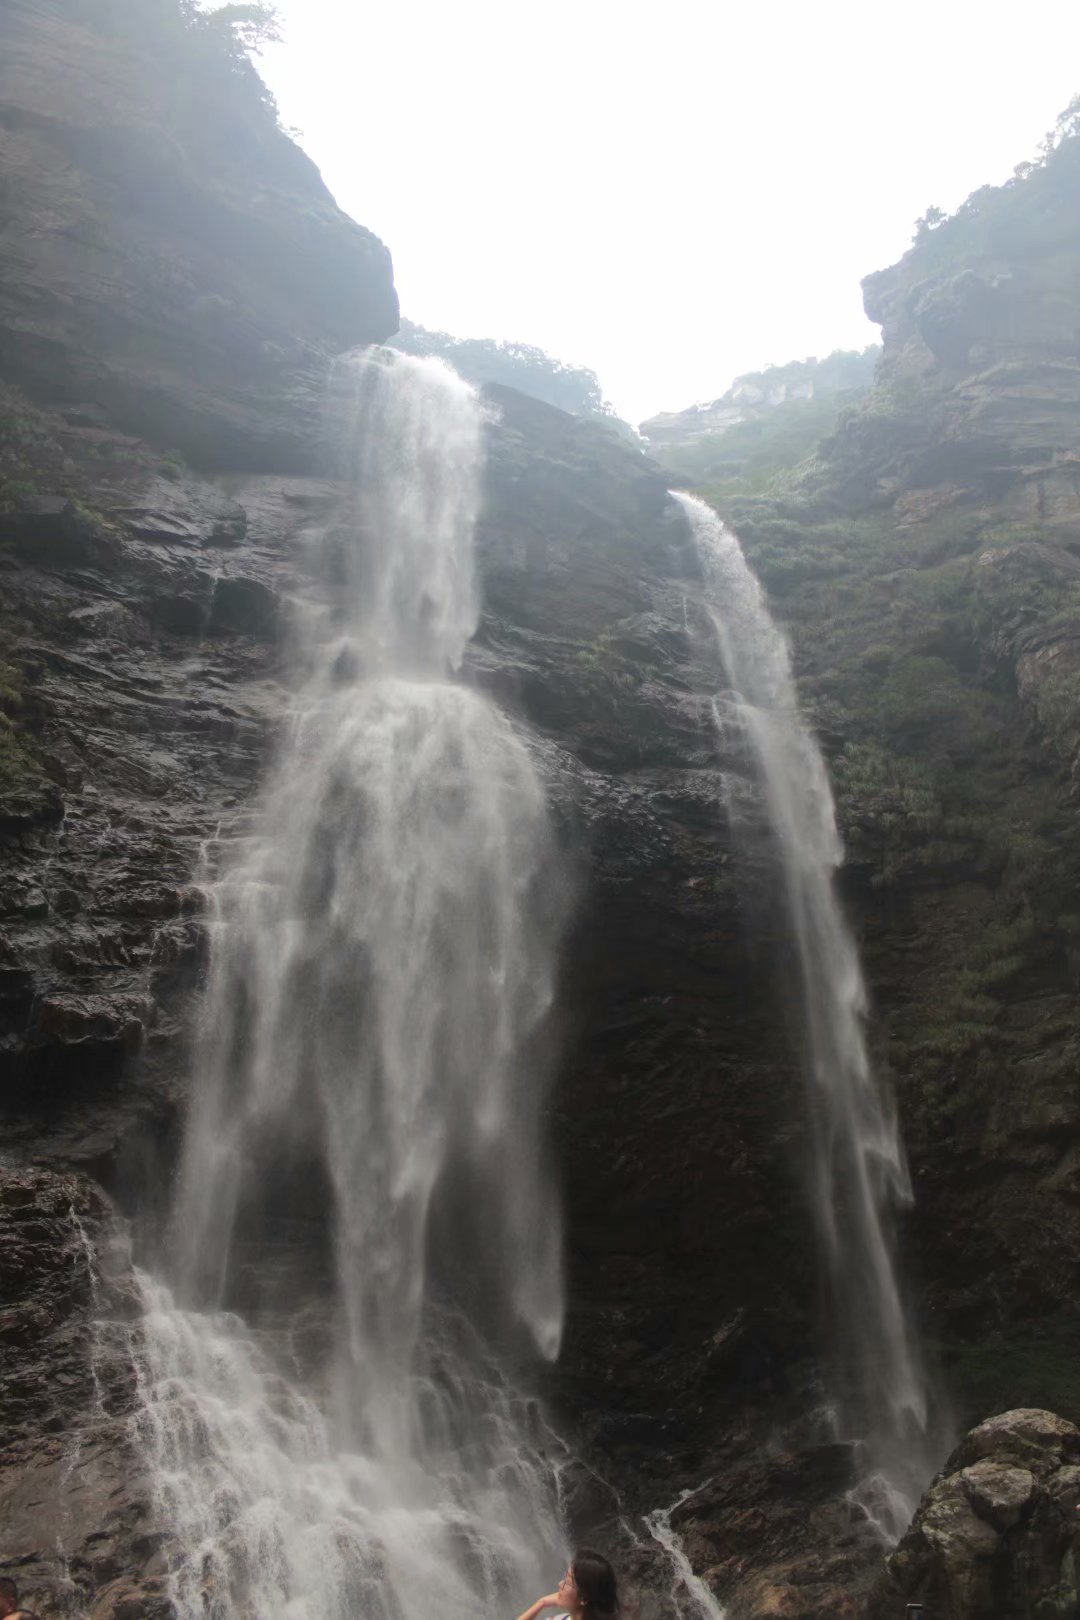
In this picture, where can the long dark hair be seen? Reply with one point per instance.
(596, 1585)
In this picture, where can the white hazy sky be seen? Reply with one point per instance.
(669, 193)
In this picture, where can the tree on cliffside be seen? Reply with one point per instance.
(241, 28)
(994, 217)
(1065, 129)
(929, 222)
(213, 47)
(575, 389)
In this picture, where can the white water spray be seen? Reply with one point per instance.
(691, 1598)
(858, 1171)
(383, 952)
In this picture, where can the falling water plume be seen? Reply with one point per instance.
(383, 951)
(691, 1598)
(858, 1171)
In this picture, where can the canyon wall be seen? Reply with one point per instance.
(170, 297)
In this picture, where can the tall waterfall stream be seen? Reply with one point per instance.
(372, 1047)
(382, 961)
(857, 1167)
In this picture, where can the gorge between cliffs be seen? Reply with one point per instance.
(539, 968)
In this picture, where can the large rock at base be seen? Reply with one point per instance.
(997, 1535)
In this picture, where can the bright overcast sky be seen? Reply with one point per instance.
(669, 193)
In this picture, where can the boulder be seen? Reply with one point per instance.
(997, 1535)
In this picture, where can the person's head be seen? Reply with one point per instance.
(9, 1595)
(588, 1588)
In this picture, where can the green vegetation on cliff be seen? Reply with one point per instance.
(747, 456)
(516, 365)
(1025, 214)
(21, 775)
(767, 422)
(938, 782)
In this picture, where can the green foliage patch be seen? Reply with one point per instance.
(747, 457)
(20, 768)
(517, 365)
(28, 448)
(756, 454)
(1040, 1370)
(210, 50)
(1025, 210)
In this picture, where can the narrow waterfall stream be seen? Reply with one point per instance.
(858, 1172)
(383, 957)
(690, 1597)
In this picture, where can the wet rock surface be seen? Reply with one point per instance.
(998, 1533)
(74, 1522)
(147, 666)
(151, 713)
(593, 632)
(168, 256)
(147, 707)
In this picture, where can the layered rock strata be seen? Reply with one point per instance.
(997, 1537)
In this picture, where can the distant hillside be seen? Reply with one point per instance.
(766, 421)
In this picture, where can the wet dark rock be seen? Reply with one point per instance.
(73, 1513)
(182, 510)
(152, 701)
(246, 606)
(53, 531)
(997, 1535)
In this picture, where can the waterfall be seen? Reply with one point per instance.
(372, 1049)
(690, 1597)
(858, 1171)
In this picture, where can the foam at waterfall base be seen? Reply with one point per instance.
(383, 952)
(264, 1507)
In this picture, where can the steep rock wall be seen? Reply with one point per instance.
(166, 253)
(925, 563)
(146, 667)
(145, 644)
(148, 636)
(978, 387)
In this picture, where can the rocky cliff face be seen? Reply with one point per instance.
(998, 1534)
(167, 255)
(978, 388)
(159, 487)
(846, 374)
(76, 1523)
(147, 664)
(148, 647)
(924, 561)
